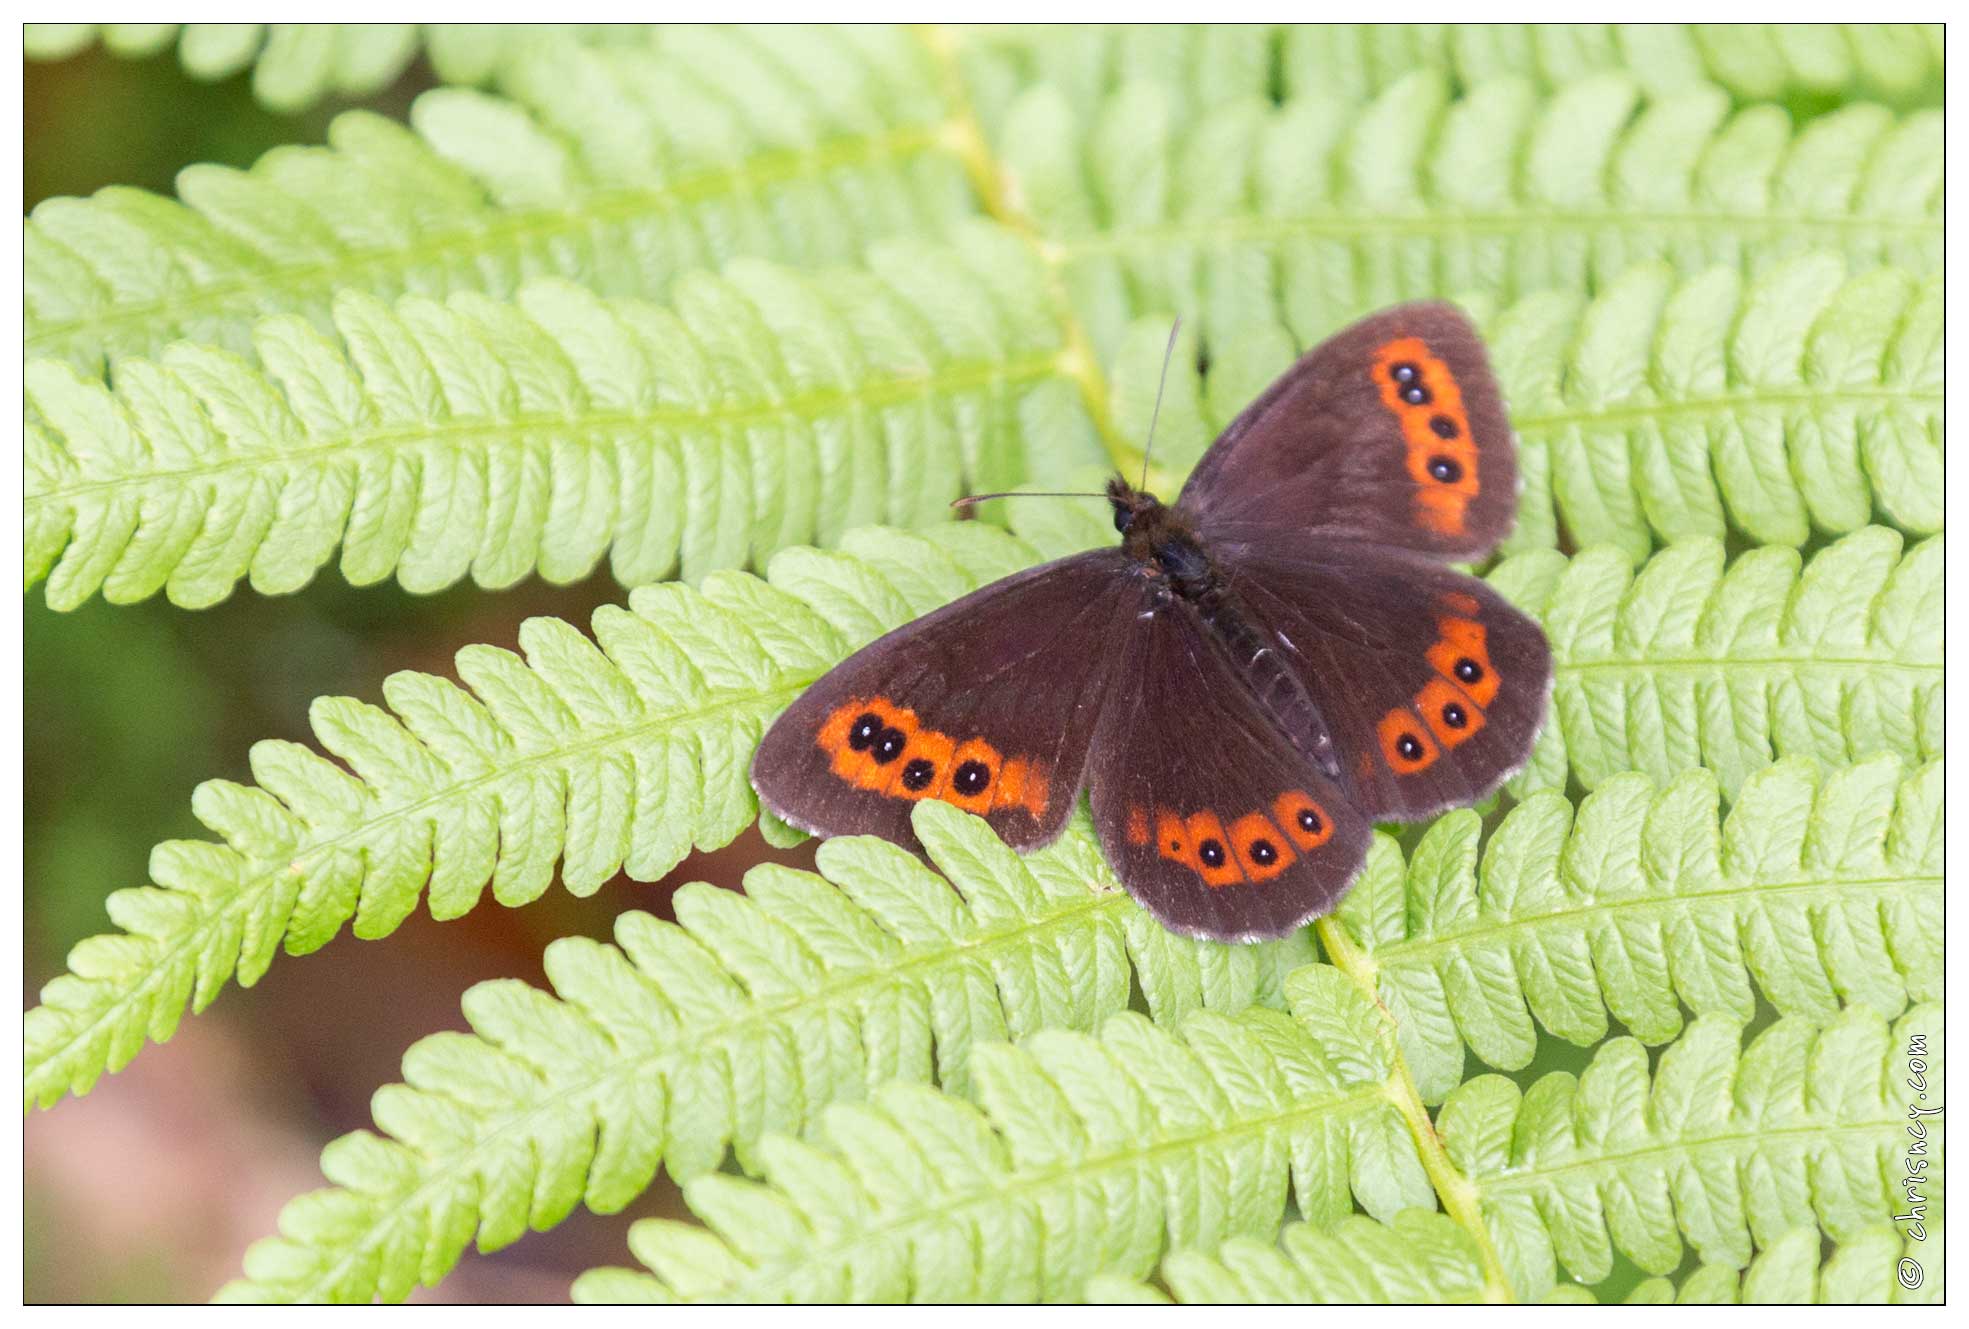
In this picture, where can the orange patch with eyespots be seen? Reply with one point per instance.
(1441, 456)
(1405, 742)
(876, 745)
(1255, 847)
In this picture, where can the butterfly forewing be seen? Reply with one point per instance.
(1216, 822)
(989, 703)
(1392, 431)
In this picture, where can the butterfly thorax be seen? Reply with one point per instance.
(1160, 539)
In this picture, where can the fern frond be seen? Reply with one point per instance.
(1686, 663)
(1304, 215)
(1899, 63)
(1089, 1156)
(295, 65)
(1419, 1257)
(1724, 1145)
(1860, 1271)
(1822, 890)
(497, 438)
(1800, 401)
(752, 1015)
(622, 758)
(616, 167)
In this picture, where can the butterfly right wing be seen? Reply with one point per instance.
(989, 703)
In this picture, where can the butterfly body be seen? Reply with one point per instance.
(1248, 681)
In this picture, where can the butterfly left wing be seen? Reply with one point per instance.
(1432, 686)
(1216, 823)
(1391, 431)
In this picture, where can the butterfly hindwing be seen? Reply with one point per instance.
(1217, 824)
(1431, 684)
(989, 703)
(1391, 431)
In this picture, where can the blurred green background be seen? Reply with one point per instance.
(152, 1186)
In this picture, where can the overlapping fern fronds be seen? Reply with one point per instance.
(1084, 1155)
(622, 168)
(623, 756)
(694, 300)
(751, 1014)
(294, 64)
(1816, 890)
(921, 1196)
(498, 438)
(1310, 213)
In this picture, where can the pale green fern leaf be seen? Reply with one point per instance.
(619, 167)
(1723, 1146)
(1418, 1257)
(295, 65)
(1814, 890)
(1808, 66)
(752, 1014)
(1801, 401)
(1088, 1156)
(1801, 63)
(1307, 214)
(1860, 1271)
(1688, 663)
(624, 757)
(499, 438)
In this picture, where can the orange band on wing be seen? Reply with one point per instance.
(1256, 847)
(874, 744)
(1441, 456)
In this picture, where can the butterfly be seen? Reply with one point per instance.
(1255, 676)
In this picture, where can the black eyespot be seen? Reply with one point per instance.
(1454, 717)
(1409, 746)
(1176, 846)
(1263, 853)
(1309, 821)
(1443, 426)
(1445, 469)
(861, 734)
(971, 778)
(1211, 853)
(1469, 670)
(888, 746)
(1404, 373)
(1416, 395)
(918, 774)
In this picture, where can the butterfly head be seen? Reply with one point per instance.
(1133, 508)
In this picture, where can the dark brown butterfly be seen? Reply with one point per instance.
(1254, 677)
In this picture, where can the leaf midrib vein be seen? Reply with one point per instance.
(1405, 954)
(513, 430)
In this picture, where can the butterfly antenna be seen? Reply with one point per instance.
(969, 499)
(1161, 383)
